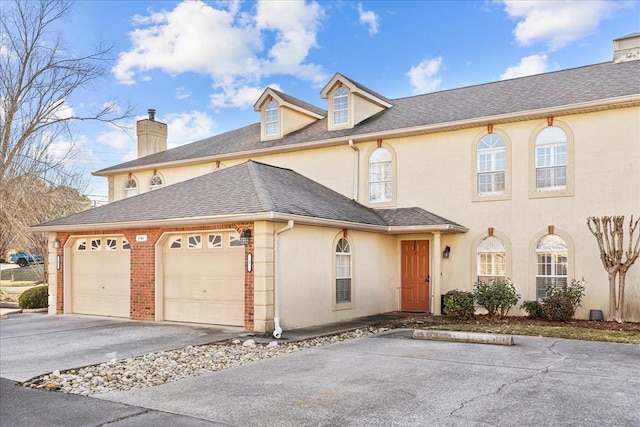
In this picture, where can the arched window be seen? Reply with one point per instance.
(552, 256)
(491, 260)
(491, 160)
(380, 176)
(340, 106)
(130, 187)
(156, 182)
(551, 159)
(271, 119)
(343, 271)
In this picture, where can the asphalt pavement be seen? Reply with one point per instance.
(383, 380)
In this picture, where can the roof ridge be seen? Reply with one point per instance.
(266, 201)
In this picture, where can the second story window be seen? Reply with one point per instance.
(551, 159)
(340, 106)
(130, 187)
(491, 164)
(155, 182)
(380, 176)
(271, 119)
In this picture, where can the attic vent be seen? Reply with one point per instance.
(626, 48)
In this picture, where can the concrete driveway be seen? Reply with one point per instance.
(32, 344)
(394, 380)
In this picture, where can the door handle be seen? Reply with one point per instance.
(428, 279)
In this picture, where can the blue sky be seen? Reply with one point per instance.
(202, 64)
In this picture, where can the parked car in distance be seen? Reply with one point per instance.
(25, 258)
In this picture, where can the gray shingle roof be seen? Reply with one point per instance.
(300, 103)
(538, 92)
(247, 188)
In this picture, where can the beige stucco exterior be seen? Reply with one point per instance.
(436, 171)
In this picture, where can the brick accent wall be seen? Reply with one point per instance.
(143, 267)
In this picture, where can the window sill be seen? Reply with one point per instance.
(342, 306)
(542, 194)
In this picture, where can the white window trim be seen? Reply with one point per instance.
(476, 196)
(131, 191)
(336, 306)
(494, 273)
(365, 187)
(531, 293)
(153, 186)
(347, 109)
(564, 191)
(267, 122)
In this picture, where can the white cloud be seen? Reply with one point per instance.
(529, 65)
(556, 23)
(182, 93)
(369, 18)
(188, 127)
(235, 48)
(237, 96)
(119, 138)
(424, 77)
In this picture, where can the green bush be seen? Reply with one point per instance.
(562, 301)
(496, 297)
(533, 309)
(459, 304)
(37, 297)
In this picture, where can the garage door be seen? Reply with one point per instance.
(204, 278)
(100, 276)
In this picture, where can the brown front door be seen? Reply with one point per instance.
(415, 275)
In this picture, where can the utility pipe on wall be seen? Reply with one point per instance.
(356, 170)
(277, 331)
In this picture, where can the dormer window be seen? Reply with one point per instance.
(340, 106)
(271, 119)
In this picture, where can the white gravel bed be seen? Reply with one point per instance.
(166, 366)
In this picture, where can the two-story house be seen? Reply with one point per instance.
(369, 205)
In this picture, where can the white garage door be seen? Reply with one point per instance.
(204, 278)
(100, 276)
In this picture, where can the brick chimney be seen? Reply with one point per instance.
(152, 135)
(626, 48)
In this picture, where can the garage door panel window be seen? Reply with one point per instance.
(195, 242)
(175, 242)
(112, 244)
(96, 244)
(234, 241)
(81, 245)
(125, 245)
(214, 241)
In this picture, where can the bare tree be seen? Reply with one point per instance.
(609, 232)
(38, 74)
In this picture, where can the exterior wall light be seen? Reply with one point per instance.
(446, 252)
(56, 244)
(245, 236)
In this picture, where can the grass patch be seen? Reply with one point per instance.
(561, 331)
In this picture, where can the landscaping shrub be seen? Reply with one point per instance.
(533, 309)
(37, 297)
(562, 301)
(496, 297)
(459, 304)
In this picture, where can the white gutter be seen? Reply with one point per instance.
(277, 331)
(262, 216)
(597, 105)
(356, 170)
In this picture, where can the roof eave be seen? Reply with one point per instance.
(252, 217)
(617, 102)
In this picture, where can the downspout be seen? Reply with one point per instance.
(277, 331)
(356, 169)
